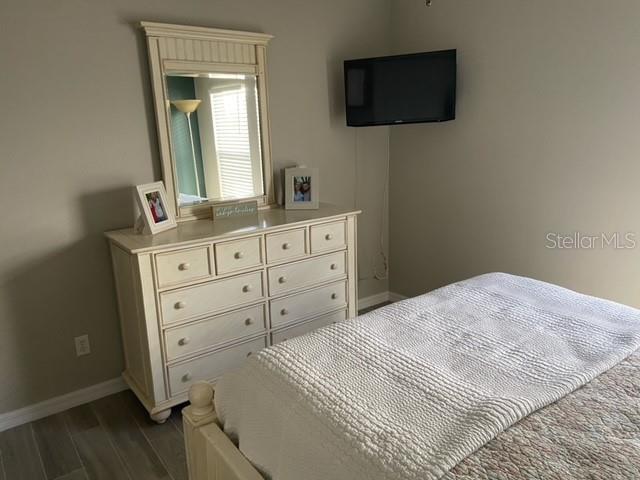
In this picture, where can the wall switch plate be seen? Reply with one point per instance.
(83, 347)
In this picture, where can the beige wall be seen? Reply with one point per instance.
(77, 131)
(546, 140)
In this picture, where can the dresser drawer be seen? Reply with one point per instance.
(306, 273)
(210, 367)
(182, 266)
(238, 255)
(328, 236)
(306, 327)
(191, 302)
(308, 304)
(286, 245)
(187, 339)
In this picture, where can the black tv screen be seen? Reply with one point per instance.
(419, 87)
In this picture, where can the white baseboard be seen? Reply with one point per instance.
(60, 404)
(379, 298)
(396, 297)
(372, 300)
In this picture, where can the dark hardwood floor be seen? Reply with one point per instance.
(112, 438)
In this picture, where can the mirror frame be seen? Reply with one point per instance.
(183, 49)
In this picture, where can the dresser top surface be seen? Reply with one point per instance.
(204, 230)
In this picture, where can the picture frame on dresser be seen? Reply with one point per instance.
(155, 215)
(301, 188)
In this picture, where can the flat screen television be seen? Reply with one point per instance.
(415, 88)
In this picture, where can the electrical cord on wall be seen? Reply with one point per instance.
(380, 270)
(385, 205)
(355, 190)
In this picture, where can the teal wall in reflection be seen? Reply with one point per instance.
(183, 88)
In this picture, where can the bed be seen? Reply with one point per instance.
(496, 377)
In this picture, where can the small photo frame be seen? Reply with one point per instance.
(302, 188)
(156, 215)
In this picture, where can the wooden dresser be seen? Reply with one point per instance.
(194, 302)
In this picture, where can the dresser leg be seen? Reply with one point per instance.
(161, 416)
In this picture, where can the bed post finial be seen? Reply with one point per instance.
(200, 414)
(201, 399)
(210, 453)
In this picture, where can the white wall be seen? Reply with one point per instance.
(546, 140)
(78, 130)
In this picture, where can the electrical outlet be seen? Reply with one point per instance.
(83, 347)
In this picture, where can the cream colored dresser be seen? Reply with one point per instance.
(194, 302)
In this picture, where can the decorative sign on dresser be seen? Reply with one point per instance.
(237, 209)
(196, 301)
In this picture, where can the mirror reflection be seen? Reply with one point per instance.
(215, 136)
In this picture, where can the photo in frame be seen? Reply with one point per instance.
(155, 215)
(302, 188)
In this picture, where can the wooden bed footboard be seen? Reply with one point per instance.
(210, 453)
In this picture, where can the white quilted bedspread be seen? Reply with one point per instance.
(410, 390)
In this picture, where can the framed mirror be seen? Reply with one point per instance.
(210, 95)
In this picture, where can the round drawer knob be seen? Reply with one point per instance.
(238, 255)
(180, 305)
(249, 354)
(282, 280)
(284, 311)
(328, 236)
(286, 246)
(334, 266)
(248, 322)
(184, 341)
(246, 288)
(186, 377)
(334, 296)
(184, 266)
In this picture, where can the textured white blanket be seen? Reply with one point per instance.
(408, 391)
